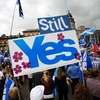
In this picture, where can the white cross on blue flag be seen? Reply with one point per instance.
(9, 83)
(88, 32)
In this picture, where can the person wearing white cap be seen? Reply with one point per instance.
(37, 93)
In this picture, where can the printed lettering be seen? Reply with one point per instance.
(54, 24)
(40, 52)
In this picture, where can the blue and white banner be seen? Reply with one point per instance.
(9, 83)
(47, 51)
(54, 24)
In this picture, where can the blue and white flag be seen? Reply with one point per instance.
(88, 32)
(54, 75)
(86, 61)
(20, 9)
(85, 64)
(5, 54)
(9, 83)
(82, 42)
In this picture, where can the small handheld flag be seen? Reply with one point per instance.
(20, 9)
(9, 83)
(54, 75)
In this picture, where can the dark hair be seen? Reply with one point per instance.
(82, 92)
(95, 72)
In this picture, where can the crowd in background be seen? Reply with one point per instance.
(86, 89)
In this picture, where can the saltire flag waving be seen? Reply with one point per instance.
(9, 83)
(20, 9)
(85, 64)
(88, 32)
(86, 61)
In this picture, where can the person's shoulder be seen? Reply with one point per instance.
(69, 67)
(1, 72)
(90, 80)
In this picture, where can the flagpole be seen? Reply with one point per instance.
(12, 20)
(18, 88)
(83, 75)
(82, 69)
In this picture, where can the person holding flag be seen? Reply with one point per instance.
(9, 83)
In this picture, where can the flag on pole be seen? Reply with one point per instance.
(54, 75)
(9, 83)
(86, 61)
(85, 64)
(82, 42)
(20, 9)
(88, 32)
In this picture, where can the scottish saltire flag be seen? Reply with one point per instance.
(54, 75)
(88, 32)
(20, 9)
(9, 83)
(85, 64)
(82, 42)
(86, 61)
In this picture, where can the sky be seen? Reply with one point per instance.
(84, 12)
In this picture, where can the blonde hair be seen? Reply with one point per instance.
(8, 72)
(46, 76)
(13, 94)
(60, 73)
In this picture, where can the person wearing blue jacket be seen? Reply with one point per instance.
(73, 72)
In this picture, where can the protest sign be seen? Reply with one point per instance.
(47, 51)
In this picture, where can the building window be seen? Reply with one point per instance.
(26, 34)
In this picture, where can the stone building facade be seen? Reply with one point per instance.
(4, 40)
(31, 32)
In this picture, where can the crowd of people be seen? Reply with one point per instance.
(5, 73)
(80, 91)
(86, 89)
